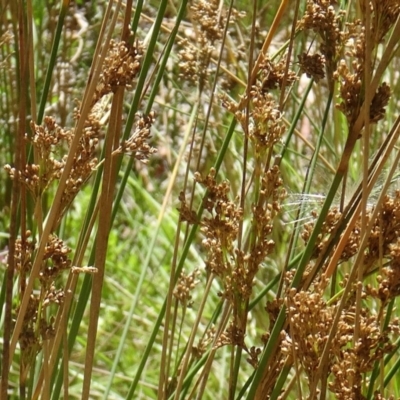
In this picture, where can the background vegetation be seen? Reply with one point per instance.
(199, 199)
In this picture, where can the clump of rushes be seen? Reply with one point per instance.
(49, 141)
(252, 309)
(236, 267)
(50, 144)
(310, 318)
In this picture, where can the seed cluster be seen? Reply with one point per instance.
(186, 283)
(384, 15)
(85, 160)
(310, 320)
(24, 250)
(137, 145)
(121, 67)
(48, 141)
(313, 65)
(267, 129)
(234, 267)
(196, 50)
(322, 18)
(351, 87)
(349, 364)
(328, 227)
(266, 126)
(55, 260)
(207, 15)
(203, 344)
(272, 74)
(220, 230)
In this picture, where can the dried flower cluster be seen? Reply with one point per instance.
(85, 160)
(310, 317)
(350, 364)
(188, 63)
(312, 65)
(55, 260)
(233, 335)
(234, 267)
(209, 20)
(223, 259)
(185, 212)
(310, 320)
(24, 250)
(47, 141)
(208, 16)
(199, 350)
(379, 102)
(350, 83)
(120, 68)
(322, 18)
(383, 14)
(137, 145)
(50, 141)
(328, 227)
(186, 283)
(266, 126)
(265, 129)
(222, 228)
(351, 89)
(272, 74)
(383, 242)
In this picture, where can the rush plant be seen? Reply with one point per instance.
(148, 153)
